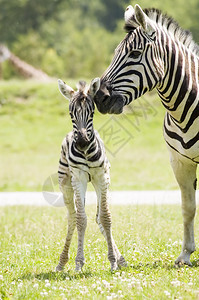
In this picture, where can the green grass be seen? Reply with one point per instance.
(34, 120)
(32, 239)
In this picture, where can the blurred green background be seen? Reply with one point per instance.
(75, 39)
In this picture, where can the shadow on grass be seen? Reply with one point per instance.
(58, 276)
(195, 263)
(152, 266)
(163, 265)
(61, 276)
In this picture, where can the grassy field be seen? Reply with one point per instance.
(34, 120)
(32, 239)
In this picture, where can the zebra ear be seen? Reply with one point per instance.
(65, 89)
(143, 20)
(130, 20)
(94, 86)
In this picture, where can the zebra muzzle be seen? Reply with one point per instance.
(82, 140)
(108, 100)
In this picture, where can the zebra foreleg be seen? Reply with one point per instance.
(79, 182)
(67, 190)
(185, 173)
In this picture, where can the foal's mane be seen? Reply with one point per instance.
(184, 36)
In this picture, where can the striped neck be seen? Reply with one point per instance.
(179, 88)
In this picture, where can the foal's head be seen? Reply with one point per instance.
(81, 108)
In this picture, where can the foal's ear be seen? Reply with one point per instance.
(65, 89)
(94, 86)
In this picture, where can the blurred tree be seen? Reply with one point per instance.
(114, 11)
(76, 38)
(18, 17)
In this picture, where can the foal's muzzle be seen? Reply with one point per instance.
(82, 140)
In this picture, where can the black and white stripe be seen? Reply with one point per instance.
(83, 159)
(81, 109)
(157, 53)
(162, 56)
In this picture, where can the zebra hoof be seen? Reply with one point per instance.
(121, 262)
(59, 268)
(114, 267)
(79, 267)
(182, 263)
(183, 259)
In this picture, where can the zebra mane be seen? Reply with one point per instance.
(81, 95)
(81, 86)
(184, 36)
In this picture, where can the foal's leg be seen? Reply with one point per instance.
(67, 190)
(79, 182)
(103, 217)
(185, 173)
(120, 259)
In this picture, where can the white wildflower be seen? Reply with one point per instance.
(106, 284)
(113, 295)
(167, 293)
(20, 284)
(175, 283)
(47, 284)
(99, 289)
(190, 283)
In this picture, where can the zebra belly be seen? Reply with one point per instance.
(185, 143)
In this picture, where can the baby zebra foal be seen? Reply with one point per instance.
(83, 159)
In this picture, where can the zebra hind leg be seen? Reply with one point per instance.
(120, 259)
(103, 217)
(185, 173)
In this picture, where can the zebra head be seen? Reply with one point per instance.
(81, 109)
(137, 66)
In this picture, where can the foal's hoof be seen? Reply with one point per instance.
(79, 266)
(122, 262)
(114, 267)
(59, 268)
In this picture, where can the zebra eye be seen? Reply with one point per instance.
(135, 54)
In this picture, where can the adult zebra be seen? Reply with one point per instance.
(157, 53)
(83, 159)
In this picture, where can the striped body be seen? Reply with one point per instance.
(93, 157)
(157, 54)
(83, 160)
